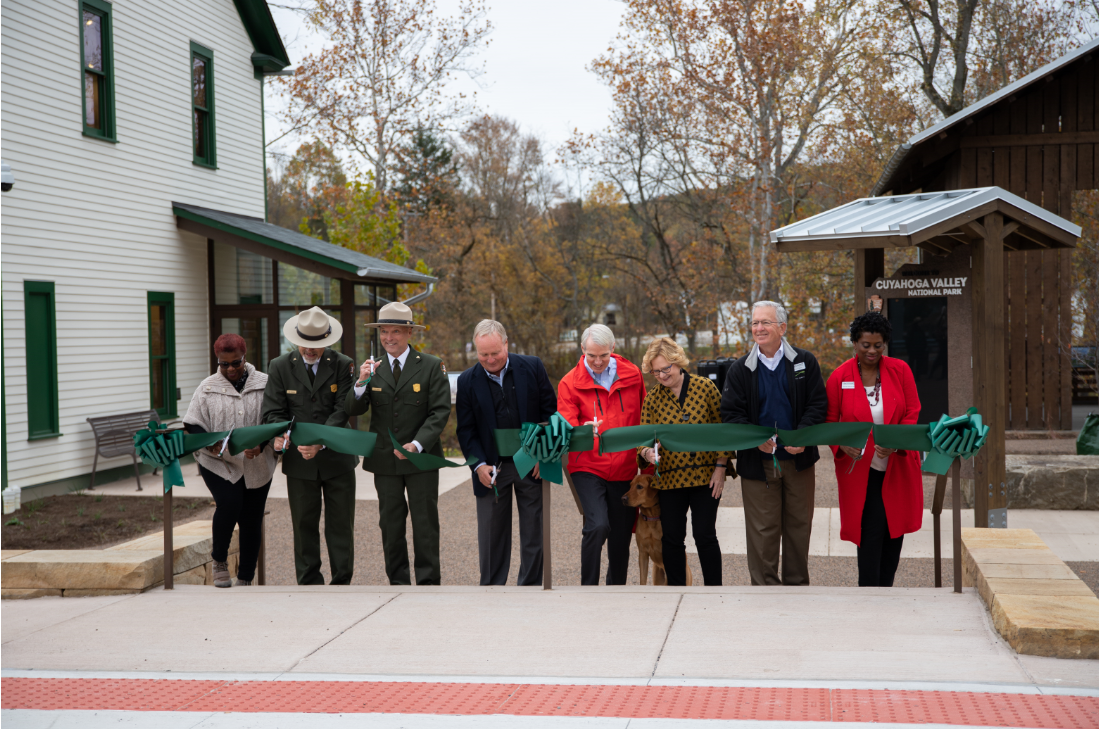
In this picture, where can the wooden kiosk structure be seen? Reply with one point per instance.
(978, 226)
(1039, 139)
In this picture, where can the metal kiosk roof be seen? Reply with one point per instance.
(934, 221)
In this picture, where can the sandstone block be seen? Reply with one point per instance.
(83, 569)
(17, 593)
(1066, 482)
(6, 553)
(1008, 586)
(204, 528)
(1028, 571)
(195, 576)
(103, 592)
(188, 551)
(973, 538)
(1056, 626)
(1013, 556)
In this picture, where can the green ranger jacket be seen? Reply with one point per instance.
(416, 409)
(290, 394)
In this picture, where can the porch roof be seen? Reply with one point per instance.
(288, 246)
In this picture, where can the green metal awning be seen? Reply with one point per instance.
(288, 246)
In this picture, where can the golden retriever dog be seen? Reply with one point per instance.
(649, 530)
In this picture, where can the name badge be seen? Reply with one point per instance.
(799, 367)
(291, 392)
(376, 389)
(415, 386)
(848, 385)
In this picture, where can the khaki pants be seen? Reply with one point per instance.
(779, 510)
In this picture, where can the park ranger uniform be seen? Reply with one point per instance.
(415, 405)
(316, 395)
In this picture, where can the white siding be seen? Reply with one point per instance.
(95, 217)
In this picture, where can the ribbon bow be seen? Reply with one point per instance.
(162, 450)
(544, 444)
(953, 437)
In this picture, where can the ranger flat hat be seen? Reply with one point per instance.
(395, 314)
(312, 328)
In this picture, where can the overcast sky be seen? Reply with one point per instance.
(535, 66)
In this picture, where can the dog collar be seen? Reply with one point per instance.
(649, 518)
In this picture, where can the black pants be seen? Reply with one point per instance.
(237, 505)
(879, 555)
(673, 519)
(606, 519)
(494, 529)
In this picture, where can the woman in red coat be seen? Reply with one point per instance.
(880, 490)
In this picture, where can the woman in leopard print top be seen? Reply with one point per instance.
(685, 481)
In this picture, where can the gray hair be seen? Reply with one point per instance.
(600, 335)
(780, 310)
(488, 327)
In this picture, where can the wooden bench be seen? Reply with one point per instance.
(114, 436)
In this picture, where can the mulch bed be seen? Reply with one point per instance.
(94, 521)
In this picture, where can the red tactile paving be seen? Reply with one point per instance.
(471, 699)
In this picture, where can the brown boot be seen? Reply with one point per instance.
(221, 575)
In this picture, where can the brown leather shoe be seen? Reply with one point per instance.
(221, 575)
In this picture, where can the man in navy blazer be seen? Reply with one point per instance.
(503, 391)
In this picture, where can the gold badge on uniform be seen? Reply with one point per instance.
(333, 388)
(415, 386)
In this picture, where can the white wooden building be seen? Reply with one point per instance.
(134, 130)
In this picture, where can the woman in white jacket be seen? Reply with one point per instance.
(233, 398)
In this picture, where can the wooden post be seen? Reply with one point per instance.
(169, 556)
(869, 266)
(547, 537)
(989, 376)
(956, 518)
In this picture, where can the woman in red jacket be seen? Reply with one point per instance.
(606, 390)
(880, 490)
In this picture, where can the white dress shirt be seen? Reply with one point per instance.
(771, 363)
(360, 389)
(877, 411)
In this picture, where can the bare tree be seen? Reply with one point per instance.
(383, 74)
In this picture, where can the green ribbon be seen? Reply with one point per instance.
(710, 437)
(544, 444)
(164, 449)
(427, 461)
(943, 441)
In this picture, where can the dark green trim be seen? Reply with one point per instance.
(211, 158)
(41, 355)
(217, 225)
(168, 300)
(263, 63)
(109, 133)
(264, 34)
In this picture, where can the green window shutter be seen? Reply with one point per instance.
(97, 69)
(203, 135)
(162, 353)
(43, 419)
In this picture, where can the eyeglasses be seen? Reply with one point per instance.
(664, 372)
(757, 324)
(234, 364)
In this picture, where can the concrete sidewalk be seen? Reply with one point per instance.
(607, 633)
(464, 657)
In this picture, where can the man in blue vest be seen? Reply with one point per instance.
(503, 391)
(776, 385)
